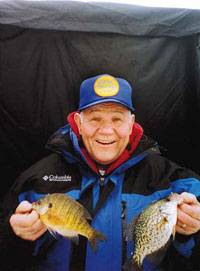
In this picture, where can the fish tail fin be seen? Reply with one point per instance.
(95, 238)
(130, 265)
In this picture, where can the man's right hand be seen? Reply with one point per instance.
(26, 223)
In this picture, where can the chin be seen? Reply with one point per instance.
(105, 162)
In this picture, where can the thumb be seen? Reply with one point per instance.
(23, 207)
(189, 198)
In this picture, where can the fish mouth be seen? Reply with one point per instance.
(105, 142)
(34, 205)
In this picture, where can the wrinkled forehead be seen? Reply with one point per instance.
(111, 107)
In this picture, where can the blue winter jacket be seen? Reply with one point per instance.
(137, 180)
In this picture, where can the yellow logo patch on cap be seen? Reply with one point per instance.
(106, 86)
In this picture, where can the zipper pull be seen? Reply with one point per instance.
(123, 214)
(102, 179)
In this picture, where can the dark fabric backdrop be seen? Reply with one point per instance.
(46, 51)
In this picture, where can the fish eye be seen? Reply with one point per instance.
(39, 202)
(50, 205)
(168, 199)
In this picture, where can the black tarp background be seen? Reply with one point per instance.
(47, 48)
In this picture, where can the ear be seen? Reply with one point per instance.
(77, 119)
(132, 121)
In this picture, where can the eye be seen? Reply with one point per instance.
(96, 119)
(117, 119)
(50, 205)
(39, 202)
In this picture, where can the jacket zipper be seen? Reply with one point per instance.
(102, 179)
(124, 242)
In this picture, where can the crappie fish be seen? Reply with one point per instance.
(151, 231)
(66, 216)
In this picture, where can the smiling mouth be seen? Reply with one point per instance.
(105, 142)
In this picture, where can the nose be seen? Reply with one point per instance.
(106, 128)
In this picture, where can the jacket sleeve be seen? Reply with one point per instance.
(185, 250)
(174, 260)
(14, 251)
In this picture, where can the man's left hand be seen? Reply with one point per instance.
(188, 221)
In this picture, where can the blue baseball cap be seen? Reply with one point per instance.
(105, 88)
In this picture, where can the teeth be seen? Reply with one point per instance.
(104, 141)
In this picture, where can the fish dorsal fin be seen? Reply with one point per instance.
(158, 256)
(129, 232)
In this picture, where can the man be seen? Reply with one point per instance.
(103, 160)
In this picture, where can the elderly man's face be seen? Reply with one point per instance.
(105, 130)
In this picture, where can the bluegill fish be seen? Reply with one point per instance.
(151, 231)
(66, 216)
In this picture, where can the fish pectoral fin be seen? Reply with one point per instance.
(161, 224)
(158, 256)
(44, 210)
(174, 231)
(52, 232)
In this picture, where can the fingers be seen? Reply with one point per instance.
(189, 198)
(191, 210)
(31, 233)
(24, 207)
(26, 223)
(191, 206)
(186, 224)
(27, 228)
(188, 214)
(25, 220)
